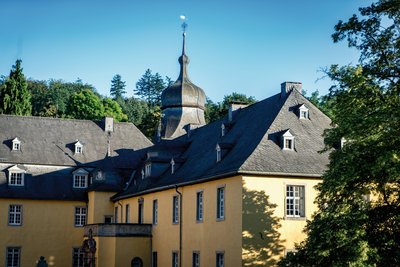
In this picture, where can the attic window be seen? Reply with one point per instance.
(16, 144)
(78, 147)
(218, 149)
(303, 112)
(222, 130)
(288, 141)
(147, 171)
(172, 166)
(80, 179)
(16, 176)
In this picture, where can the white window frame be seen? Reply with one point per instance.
(196, 259)
(155, 211)
(175, 209)
(218, 150)
(221, 203)
(77, 257)
(199, 206)
(78, 147)
(16, 144)
(13, 257)
(303, 112)
(222, 130)
(80, 216)
(295, 201)
(15, 215)
(175, 259)
(80, 180)
(220, 259)
(16, 178)
(288, 141)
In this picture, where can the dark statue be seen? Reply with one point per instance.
(42, 262)
(89, 250)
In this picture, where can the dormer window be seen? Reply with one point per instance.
(172, 166)
(303, 112)
(80, 179)
(147, 171)
(16, 144)
(222, 130)
(78, 147)
(16, 176)
(143, 174)
(288, 141)
(218, 150)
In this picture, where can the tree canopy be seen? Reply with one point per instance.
(15, 98)
(358, 222)
(215, 111)
(150, 86)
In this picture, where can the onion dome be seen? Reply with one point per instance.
(183, 93)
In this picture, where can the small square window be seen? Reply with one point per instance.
(108, 219)
(77, 257)
(196, 259)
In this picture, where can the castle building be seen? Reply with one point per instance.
(235, 192)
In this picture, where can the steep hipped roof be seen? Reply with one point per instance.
(252, 145)
(51, 141)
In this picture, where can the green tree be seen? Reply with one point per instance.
(15, 98)
(150, 87)
(85, 105)
(215, 111)
(135, 109)
(112, 108)
(358, 222)
(117, 89)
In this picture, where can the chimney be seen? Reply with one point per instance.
(109, 124)
(287, 87)
(233, 108)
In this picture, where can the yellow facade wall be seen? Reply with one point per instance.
(99, 206)
(47, 230)
(120, 251)
(206, 237)
(267, 233)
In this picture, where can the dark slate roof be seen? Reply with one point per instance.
(50, 141)
(47, 155)
(251, 145)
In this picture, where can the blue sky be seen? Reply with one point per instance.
(246, 46)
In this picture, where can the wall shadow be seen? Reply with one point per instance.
(262, 245)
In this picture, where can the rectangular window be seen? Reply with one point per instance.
(80, 181)
(127, 213)
(199, 206)
(15, 215)
(175, 259)
(16, 179)
(196, 259)
(140, 211)
(13, 257)
(77, 257)
(220, 259)
(295, 201)
(16, 146)
(80, 216)
(221, 203)
(175, 209)
(116, 214)
(155, 211)
(154, 259)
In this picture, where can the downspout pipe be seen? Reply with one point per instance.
(180, 225)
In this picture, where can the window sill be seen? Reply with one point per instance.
(295, 218)
(220, 219)
(199, 221)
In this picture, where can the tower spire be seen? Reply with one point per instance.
(183, 59)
